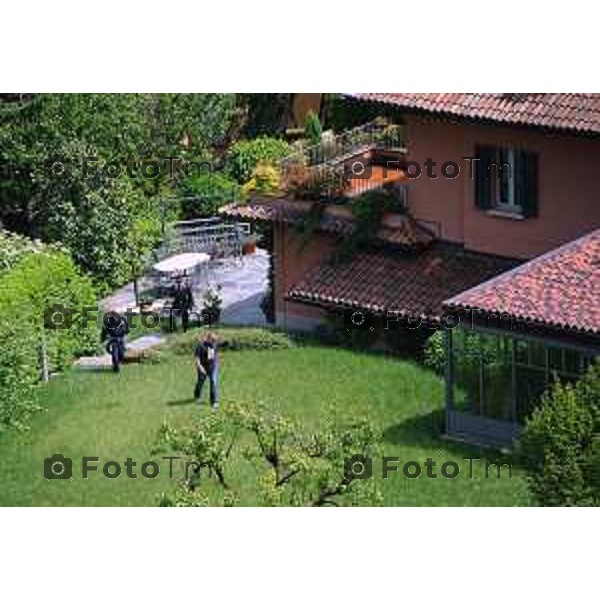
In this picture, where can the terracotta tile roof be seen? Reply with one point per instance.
(558, 289)
(403, 231)
(412, 283)
(575, 112)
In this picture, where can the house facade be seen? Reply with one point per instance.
(489, 187)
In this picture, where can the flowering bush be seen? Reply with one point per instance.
(265, 180)
(245, 155)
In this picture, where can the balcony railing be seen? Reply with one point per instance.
(329, 169)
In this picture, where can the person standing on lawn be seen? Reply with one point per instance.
(207, 366)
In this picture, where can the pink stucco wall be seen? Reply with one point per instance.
(293, 260)
(569, 192)
(568, 202)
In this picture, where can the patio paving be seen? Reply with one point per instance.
(104, 360)
(243, 282)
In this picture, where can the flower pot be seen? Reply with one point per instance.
(249, 248)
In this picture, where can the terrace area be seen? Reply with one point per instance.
(346, 165)
(333, 173)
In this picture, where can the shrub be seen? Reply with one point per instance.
(434, 355)
(37, 282)
(235, 338)
(14, 247)
(265, 180)
(472, 348)
(560, 444)
(205, 193)
(41, 281)
(244, 156)
(19, 362)
(335, 331)
(313, 128)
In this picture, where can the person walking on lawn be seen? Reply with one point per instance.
(207, 366)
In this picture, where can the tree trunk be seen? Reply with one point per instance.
(136, 291)
(44, 357)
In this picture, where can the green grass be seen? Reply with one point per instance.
(118, 416)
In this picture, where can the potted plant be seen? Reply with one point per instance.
(212, 302)
(249, 244)
(145, 302)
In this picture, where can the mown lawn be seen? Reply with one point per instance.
(118, 416)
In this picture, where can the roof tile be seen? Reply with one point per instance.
(406, 232)
(560, 289)
(575, 112)
(411, 283)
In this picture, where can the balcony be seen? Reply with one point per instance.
(347, 165)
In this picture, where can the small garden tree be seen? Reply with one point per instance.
(293, 467)
(561, 444)
(313, 128)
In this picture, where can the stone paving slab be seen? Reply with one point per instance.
(243, 281)
(104, 361)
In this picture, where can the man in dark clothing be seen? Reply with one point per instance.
(187, 303)
(207, 366)
(183, 303)
(114, 329)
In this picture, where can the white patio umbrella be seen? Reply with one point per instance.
(181, 262)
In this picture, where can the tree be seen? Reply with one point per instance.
(313, 128)
(205, 193)
(108, 224)
(267, 114)
(561, 444)
(294, 466)
(39, 282)
(49, 190)
(142, 237)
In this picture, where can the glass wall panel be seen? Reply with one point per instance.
(504, 378)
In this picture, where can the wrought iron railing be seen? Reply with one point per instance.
(325, 169)
(212, 235)
(334, 149)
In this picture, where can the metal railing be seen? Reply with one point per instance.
(323, 169)
(335, 149)
(212, 235)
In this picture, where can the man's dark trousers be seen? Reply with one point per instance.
(214, 391)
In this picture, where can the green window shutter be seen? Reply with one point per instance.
(526, 183)
(483, 188)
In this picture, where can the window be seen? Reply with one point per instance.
(503, 181)
(506, 180)
(503, 377)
